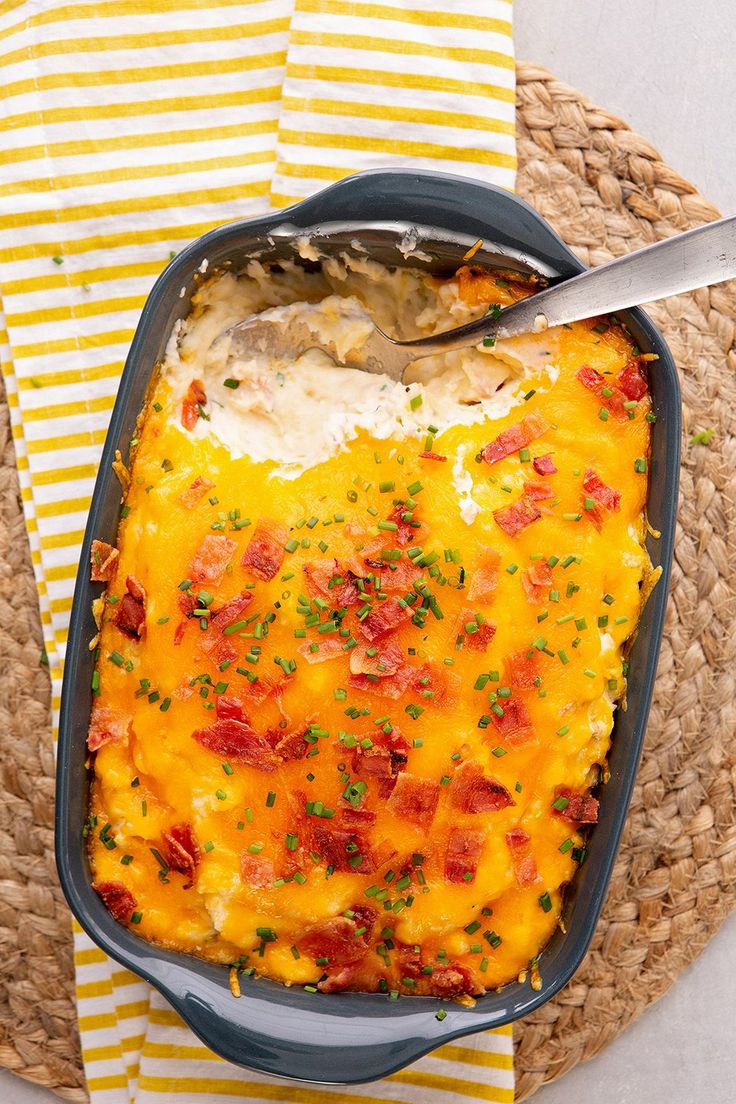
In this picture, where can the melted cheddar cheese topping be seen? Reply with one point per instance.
(345, 725)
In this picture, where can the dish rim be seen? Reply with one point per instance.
(225, 1024)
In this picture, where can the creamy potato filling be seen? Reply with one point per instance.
(300, 413)
(361, 643)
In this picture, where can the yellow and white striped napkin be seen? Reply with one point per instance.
(129, 127)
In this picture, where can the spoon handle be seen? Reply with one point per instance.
(694, 259)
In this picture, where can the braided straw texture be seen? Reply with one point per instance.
(606, 191)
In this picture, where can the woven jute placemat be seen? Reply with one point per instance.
(607, 191)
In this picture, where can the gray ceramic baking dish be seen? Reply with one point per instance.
(353, 1037)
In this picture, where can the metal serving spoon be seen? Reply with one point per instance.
(694, 259)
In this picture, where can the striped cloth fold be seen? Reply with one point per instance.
(130, 127)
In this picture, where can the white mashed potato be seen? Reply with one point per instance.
(301, 412)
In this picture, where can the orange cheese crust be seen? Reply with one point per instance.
(342, 738)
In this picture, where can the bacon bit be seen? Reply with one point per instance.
(346, 978)
(384, 619)
(193, 400)
(255, 693)
(544, 465)
(364, 916)
(335, 940)
(219, 649)
(525, 868)
(605, 496)
(443, 684)
(356, 818)
(265, 552)
(477, 641)
(485, 576)
(464, 848)
(131, 614)
(232, 611)
(523, 670)
(103, 560)
(211, 558)
(396, 575)
(516, 725)
(135, 589)
(187, 603)
(392, 687)
(320, 573)
(406, 533)
(328, 649)
(591, 378)
(538, 492)
(118, 900)
(228, 709)
(536, 581)
(516, 437)
(512, 519)
(384, 761)
(332, 846)
(454, 980)
(426, 455)
(383, 853)
(580, 808)
(415, 799)
(633, 381)
(181, 851)
(195, 492)
(472, 792)
(106, 725)
(384, 663)
(410, 960)
(288, 745)
(256, 871)
(595, 382)
(238, 742)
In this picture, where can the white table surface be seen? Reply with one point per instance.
(666, 66)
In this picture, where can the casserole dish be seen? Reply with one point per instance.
(424, 220)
